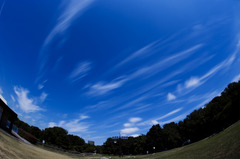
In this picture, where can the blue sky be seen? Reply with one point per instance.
(97, 68)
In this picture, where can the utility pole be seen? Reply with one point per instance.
(120, 146)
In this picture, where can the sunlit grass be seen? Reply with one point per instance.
(223, 145)
(14, 149)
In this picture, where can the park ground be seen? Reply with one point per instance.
(219, 146)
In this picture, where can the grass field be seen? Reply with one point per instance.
(225, 145)
(14, 149)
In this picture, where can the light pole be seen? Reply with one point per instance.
(119, 138)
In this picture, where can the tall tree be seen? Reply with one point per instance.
(155, 139)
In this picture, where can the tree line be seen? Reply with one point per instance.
(54, 137)
(221, 112)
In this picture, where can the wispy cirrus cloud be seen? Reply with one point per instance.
(182, 116)
(73, 9)
(208, 98)
(134, 99)
(197, 81)
(43, 96)
(13, 99)
(130, 103)
(80, 71)
(145, 50)
(175, 119)
(193, 81)
(236, 78)
(169, 114)
(165, 63)
(2, 6)
(26, 104)
(149, 49)
(101, 88)
(73, 126)
(82, 117)
(157, 84)
(42, 85)
(156, 119)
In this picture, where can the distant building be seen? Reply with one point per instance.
(119, 137)
(91, 142)
(7, 116)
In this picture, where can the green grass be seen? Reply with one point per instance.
(225, 145)
(13, 149)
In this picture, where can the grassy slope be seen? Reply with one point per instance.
(223, 145)
(14, 149)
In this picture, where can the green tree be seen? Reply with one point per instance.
(55, 136)
(172, 135)
(155, 139)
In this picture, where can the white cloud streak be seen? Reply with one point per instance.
(103, 88)
(169, 114)
(135, 135)
(43, 96)
(73, 126)
(1, 9)
(25, 103)
(82, 117)
(208, 99)
(130, 104)
(151, 86)
(197, 81)
(171, 96)
(146, 49)
(13, 99)
(80, 71)
(73, 9)
(130, 127)
(135, 119)
(52, 124)
(175, 119)
(42, 85)
(127, 124)
(193, 81)
(182, 116)
(163, 64)
(155, 120)
(129, 130)
(236, 78)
